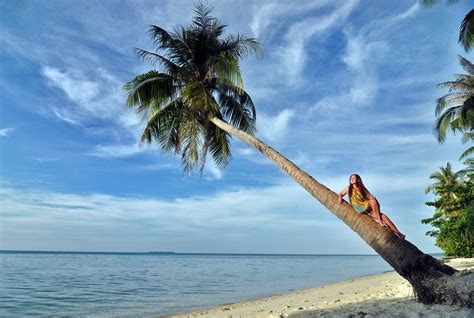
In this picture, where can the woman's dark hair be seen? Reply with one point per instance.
(359, 184)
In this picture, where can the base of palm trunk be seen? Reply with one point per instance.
(436, 283)
(457, 289)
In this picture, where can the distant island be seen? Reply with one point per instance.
(161, 253)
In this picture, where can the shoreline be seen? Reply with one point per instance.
(384, 294)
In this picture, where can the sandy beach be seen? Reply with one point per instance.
(382, 295)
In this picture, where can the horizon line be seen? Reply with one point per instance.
(179, 253)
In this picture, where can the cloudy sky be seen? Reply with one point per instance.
(342, 87)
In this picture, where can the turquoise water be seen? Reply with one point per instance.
(145, 285)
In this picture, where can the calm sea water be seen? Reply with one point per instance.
(144, 285)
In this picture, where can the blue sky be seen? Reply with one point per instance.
(342, 87)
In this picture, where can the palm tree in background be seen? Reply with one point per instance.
(197, 102)
(466, 30)
(456, 109)
(445, 179)
(469, 170)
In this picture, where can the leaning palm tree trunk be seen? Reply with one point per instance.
(432, 281)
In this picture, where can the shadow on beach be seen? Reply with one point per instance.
(401, 307)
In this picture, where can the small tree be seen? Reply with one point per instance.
(454, 217)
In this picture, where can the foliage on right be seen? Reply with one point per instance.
(453, 219)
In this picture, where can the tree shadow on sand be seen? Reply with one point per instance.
(401, 307)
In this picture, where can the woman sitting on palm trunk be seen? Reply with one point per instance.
(364, 202)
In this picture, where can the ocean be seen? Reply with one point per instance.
(147, 284)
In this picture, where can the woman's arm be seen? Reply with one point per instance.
(343, 193)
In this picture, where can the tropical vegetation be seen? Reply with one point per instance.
(453, 219)
(456, 109)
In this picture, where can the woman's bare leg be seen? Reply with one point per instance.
(374, 205)
(392, 226)
(382, 218)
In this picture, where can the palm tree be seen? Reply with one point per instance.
(466, 30)
(197, 102)
(446, 179)
(469, 170)
(456, 109)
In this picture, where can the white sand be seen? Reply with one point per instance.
(383, 295)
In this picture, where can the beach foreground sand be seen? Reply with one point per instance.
(383, 295)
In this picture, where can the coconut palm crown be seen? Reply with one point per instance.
(444, 177)
(199, 79)
(456, 109)
(445, 180)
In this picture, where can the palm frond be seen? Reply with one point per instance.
(145, 88)
(191, 135)
(449, 99)
(237, 108)
(160, 37)
(219, 146)
(430, 3)
(156, 59)
(467, 152)
(227, 69)
(239, 46)
(180, 50)
(466, 31)
(466, 64)
(203, 18)
(470, 163)
(163, 126)
(443, 122)
(467, 112)
(468, 136)
(197, 97)
(205, 148)
(457, 86)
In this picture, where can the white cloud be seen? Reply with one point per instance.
(118, 150)
(97, 95)
(64, 115)
(74, 85)
(274, 128)
(223, 214)
(409, 13)
(293, 54)
(4, 132)
(253, 156)
(154, 167)
(248, 214)
(44, 159)
(365, 48)
(215, 172)
(360, 57)
(269, 12)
